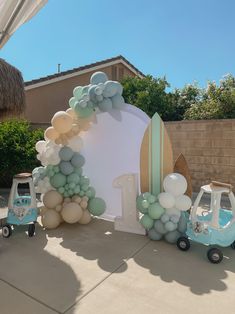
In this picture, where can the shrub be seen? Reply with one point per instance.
(17, 149)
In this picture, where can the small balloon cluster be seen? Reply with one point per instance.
(67, 194)
(165, 216)
(101, 94)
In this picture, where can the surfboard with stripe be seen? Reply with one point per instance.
(181, 166)
(156, 156)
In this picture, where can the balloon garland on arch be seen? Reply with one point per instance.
(67, 193)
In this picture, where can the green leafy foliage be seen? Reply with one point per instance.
(149, 94)
(17, 149)
(191, 102)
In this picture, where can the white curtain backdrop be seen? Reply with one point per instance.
(13, 13)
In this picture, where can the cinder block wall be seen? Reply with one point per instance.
(209, 148)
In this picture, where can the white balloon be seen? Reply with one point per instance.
(166, 200)
(183, 202)
(40, 146)
(175, 184)
(75, 143)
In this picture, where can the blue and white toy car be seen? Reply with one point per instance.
(22, 210)
(215, 226)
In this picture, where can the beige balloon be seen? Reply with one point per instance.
(52, 198)
(58, 208)
(51, 219)
(62, 122)
(58, 141)
(51, 133)
(71, 212)
(83, 204)
(86, 218)
(76, 199)
(42, 210)
(72, 113)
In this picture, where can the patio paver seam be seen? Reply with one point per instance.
(106, 277)
(31, 297)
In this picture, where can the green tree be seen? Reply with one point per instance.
(149, 94)
(17, 149)
(217, 102)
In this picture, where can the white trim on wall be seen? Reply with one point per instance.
(80, 72)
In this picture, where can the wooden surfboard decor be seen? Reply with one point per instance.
(156, 156)
(181, 167)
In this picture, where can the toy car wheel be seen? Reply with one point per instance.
(6, 231)
(233, 245)
(183, 244)
(214, 255)
(31, 230)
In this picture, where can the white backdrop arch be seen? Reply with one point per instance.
(112, 148)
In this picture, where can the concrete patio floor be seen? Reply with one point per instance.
(94, 269)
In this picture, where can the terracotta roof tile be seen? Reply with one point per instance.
(89, 66)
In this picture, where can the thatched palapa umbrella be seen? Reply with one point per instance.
(12, 95)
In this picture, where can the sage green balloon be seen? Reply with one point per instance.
(154, 235)
(72, 102)
(58, 180)
(172, 237)
(77, 160)
(147, 222)
(61, 190)
(96, 206)
(72, 185)
(71, 192)
(145, 204)
(66, 153)
(155, 210)
(90, 193)
(77, 92)
(152, 199)
(78, 171)
(73, 178)
(146, 195)
(85, 187)
(77, 189)
(66, 194)
(84, 180)
(139, 206)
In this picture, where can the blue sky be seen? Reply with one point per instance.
(186, 40)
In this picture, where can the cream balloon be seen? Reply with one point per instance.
(71, 112)
(83, 204)
(42, 210)
(76, 199)
(58, 208)
(86, 218)
(51, 134)
(51, 219)
(71, 212)
(52, 199)
(62, 122)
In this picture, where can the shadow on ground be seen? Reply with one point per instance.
(26, 265)
(190, 269)
(99, 241)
